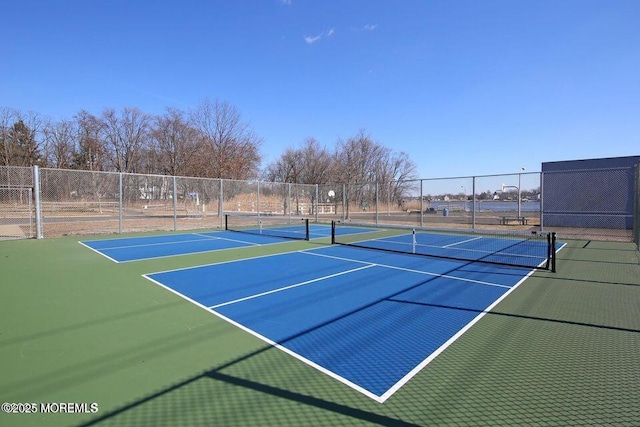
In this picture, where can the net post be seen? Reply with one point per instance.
(552, 248)
(413, 240)
(306, 228)
(333, 232)
(226, 222)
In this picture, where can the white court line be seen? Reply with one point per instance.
(409, 270)
(378, 398)
(459, 243)
(230, 261)
(386, 395)
(181, 254)
(98, 252)
(227, 239)
(272, 343)
(144, 245)
(471, 250)
(318, 279)
(450, 341)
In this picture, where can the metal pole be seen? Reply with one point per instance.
(120, 204)
(377, 203)
(344, 202)
(289, 199)
(541, 213)
(175, 205)
(421, 206)
(519, 198)
(316, 202)
(36, 190)
(258, 207)
(473, 204)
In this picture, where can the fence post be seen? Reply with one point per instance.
(288, 207)
(221, 201)
(316, 202)
(345, 206)
(473, 204)
(421, 204)
(120, 199)
(36, 191)
(377, 203)
(541, 213)
(175, 205)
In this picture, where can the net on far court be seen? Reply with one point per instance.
(285, 227)
(521, 249)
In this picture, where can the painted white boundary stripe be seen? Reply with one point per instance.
(273, 343)
(410, 270)
(386, 395)
(459, 243)
(181, 241)
(273, 291)
(450, 341)
(144, 245)
(98, 252)
(227, 239)
(226, 262)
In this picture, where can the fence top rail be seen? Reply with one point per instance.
(481, 176)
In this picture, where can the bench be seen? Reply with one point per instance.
(506, 220)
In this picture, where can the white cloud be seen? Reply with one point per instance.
(311, 39)
(287, 2)
(370, 27)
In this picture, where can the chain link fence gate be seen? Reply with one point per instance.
(17, 208)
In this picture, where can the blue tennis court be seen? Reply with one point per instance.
(149, 247)
(370, 319)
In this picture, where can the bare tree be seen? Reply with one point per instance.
(230, 147)
(359, 159)
(397, 176)
(91, 154)
(309, 164)
(176, 143)
(62, 139)
(125, 136)
(285, 169)
(362, 163)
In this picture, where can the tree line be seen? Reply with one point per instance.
(212, 140)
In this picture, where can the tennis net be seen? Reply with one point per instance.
(521, 249)
(269, 225)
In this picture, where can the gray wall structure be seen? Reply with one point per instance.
(592, 193)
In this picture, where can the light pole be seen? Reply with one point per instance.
(464, 199)
(519, 191)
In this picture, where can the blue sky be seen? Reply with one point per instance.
(464, 87)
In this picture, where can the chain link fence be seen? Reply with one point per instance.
(17, 210)
(593, 203)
